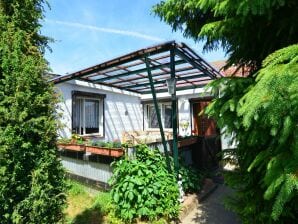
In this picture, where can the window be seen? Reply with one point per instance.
(165, 113)
(87, 116)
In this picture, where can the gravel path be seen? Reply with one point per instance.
(212, 211)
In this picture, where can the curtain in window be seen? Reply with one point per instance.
(77, 122)
(152, 117)
(91, 116)
(167, 116)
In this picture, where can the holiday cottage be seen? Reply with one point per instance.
(153, 95)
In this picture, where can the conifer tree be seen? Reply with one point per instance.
(248, 31)
(31, 175)
(261, 110)
(263, 114)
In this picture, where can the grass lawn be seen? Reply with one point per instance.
(84, 207)
(88, 208)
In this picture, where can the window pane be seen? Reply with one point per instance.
(167, 116)
(91, 116)
(152, 117)
(77, 116)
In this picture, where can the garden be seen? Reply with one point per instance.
(85, 206)
(259, 110)
(142, 190)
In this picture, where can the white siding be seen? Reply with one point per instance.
(94, 171)
(122, 110)
(185, 111)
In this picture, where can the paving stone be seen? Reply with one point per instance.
(212, 210)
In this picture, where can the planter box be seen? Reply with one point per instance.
(72, 147)
(113, 152)
(187, 142)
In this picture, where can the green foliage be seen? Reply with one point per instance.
(85, 207)
(77, 139)
(75, 188)
(26, 15)
(264, 117)
(64, 141)
(100, 143)
(114, 144)
(232, 25)
(31, 175)
(191, 178)
(117, 144)
(103, 202)
(260, 111)
(143, 188)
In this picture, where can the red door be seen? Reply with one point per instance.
(203, 125)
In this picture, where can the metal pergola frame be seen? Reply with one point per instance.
(145, 72)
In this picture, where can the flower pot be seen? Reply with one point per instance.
(117, 152)
(72, 147)
(113, 152)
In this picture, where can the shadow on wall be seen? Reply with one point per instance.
(134, 124)
(64, 130)
(110, 126)
(126, 117)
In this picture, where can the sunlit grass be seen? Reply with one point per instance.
(84, 207)
(78, 200)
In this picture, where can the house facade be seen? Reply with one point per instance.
(97, 111)
(114, 99)
(105, 113)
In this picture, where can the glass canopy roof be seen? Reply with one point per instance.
(130, 72)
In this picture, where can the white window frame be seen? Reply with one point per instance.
(162, 115)
(100, 113)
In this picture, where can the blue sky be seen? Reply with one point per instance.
(91, 31)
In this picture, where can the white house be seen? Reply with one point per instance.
(116, 97)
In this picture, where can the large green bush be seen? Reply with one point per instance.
(264, 118)
(143, 187)
(248, 31)
(31, 175)
(261, 109)
(191, 178)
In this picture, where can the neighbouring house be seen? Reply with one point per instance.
(231, 71)
(114, 100)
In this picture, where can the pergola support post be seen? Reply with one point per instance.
(174, 115)
(158, 114)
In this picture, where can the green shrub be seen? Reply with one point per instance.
(191, 178)
(143, 187)
(263, 114)
(32, 182)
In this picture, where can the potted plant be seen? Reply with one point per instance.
(113, 149)
(76, 143)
